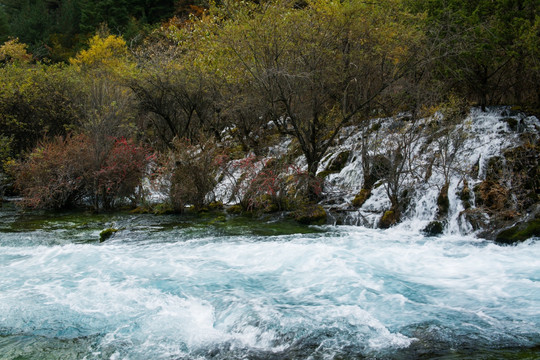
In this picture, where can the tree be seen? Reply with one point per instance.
(4, 26)
(480, 46)
(317, 67)
(177, 96)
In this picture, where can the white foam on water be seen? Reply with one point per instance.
(363, 286)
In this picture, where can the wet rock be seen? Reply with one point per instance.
(107, 234)
(443, 202)
(519, 232)
(434, 228)
(513, 124)
(476, 217)
(465, 195)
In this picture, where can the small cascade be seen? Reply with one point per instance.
(485, 135)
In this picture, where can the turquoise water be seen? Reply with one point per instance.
(233, 288)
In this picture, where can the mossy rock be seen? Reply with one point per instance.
(141, 210)
(389, 219)
(520, 232)
(324, 174)
(106, 234)
(361, 198)
(434, 228)
(219, 219)
(235, 209)
(494, 169)
(311, 215)
(163, 209)
(215, 205)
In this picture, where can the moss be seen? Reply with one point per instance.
(311, 215)
(520, 232)
(361, 197)
(325, 173)
(389, 218)
(235, 209)
(494, 168)
(216, 205)
(163, 209)
(219, 219)
(336, 165)
(375, 127)
(106, 234)
(141, 210)
(434, 228)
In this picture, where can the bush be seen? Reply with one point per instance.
(55, 173)
(193, 170)
(62, 172)
(272, 184)
(121, 173)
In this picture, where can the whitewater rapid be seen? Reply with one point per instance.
(338, 292)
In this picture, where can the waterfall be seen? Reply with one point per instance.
(486, 135)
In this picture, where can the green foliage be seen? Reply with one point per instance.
(36, 100)
(434, 228)
(483, 46)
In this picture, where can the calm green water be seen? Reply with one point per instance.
(219, 287)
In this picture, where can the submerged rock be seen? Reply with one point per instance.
(106, 234)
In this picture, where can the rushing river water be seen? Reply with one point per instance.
(215, 288)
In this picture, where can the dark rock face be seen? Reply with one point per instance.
(434, 228)
(443, 202)
(510, 192)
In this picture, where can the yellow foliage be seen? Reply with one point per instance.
(104, 52)
(15, 52)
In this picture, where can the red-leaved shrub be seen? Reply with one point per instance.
(64, 172)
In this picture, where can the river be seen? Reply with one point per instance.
(215, 287)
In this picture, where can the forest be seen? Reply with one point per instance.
(99, 96)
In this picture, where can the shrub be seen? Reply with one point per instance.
(62, 172)
(193, 170)
(271, 184)
(55, 173)
(121, 173)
